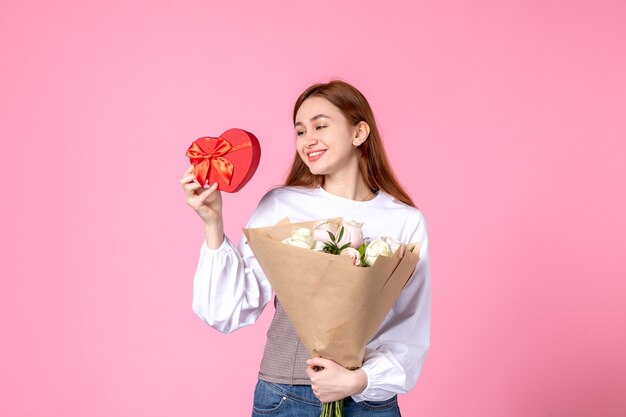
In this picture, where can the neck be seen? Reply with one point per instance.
(348, 185)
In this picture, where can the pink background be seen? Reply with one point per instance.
(505, 121)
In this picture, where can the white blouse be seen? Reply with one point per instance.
(230, 289)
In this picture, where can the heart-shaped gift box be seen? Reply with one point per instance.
(230, 159)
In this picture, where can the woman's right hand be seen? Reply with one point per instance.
(207, 203)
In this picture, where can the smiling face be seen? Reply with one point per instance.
(324, 139)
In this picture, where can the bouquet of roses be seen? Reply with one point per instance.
(335, 303)
(343, 237)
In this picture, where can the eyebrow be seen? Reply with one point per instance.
(319, 116)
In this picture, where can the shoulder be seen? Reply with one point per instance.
(287, 191)
(284, 193)
(402, 209)
(413, 218)
(272, 203)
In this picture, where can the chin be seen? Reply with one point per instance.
(317, 171)
(312, 170)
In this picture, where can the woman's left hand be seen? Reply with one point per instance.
(334, 382)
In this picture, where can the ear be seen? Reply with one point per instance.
(361, 133)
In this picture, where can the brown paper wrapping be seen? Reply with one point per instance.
(334, 306)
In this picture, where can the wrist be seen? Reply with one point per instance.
(217, 221)
(360, 381)
(214, 234)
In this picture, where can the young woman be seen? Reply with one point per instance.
(339, 170)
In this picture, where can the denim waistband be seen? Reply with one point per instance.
(302, 393)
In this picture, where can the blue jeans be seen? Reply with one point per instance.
(283, 400)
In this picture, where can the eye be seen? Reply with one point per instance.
(320, 127)
(299, 133)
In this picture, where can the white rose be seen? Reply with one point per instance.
(318, 246)
(354, 254)
(393, 244)
(296, 242)
(376, 248)
(303, 234)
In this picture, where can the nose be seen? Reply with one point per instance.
(309, 140)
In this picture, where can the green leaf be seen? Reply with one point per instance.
(340, 234)
(347, 245)
(332, 237)
(362, 249)
(331, 247)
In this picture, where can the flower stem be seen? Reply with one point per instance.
(334, 409)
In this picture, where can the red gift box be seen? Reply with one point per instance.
(230, 160)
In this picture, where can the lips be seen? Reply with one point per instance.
(315, 155)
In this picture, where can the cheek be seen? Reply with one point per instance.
(301, 154)
(300, 150)
(345, 149)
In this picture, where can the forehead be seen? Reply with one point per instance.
(315, 105)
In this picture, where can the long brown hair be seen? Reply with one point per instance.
(373, 163)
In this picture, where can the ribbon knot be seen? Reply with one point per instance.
(207, 152)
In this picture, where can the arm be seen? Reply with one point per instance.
(394, 357)
(230, 289)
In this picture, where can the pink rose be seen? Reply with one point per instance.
(322, 228)
(353, 253)
(352, 233)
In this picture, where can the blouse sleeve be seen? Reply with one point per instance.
(394, 357)
(230, 289)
